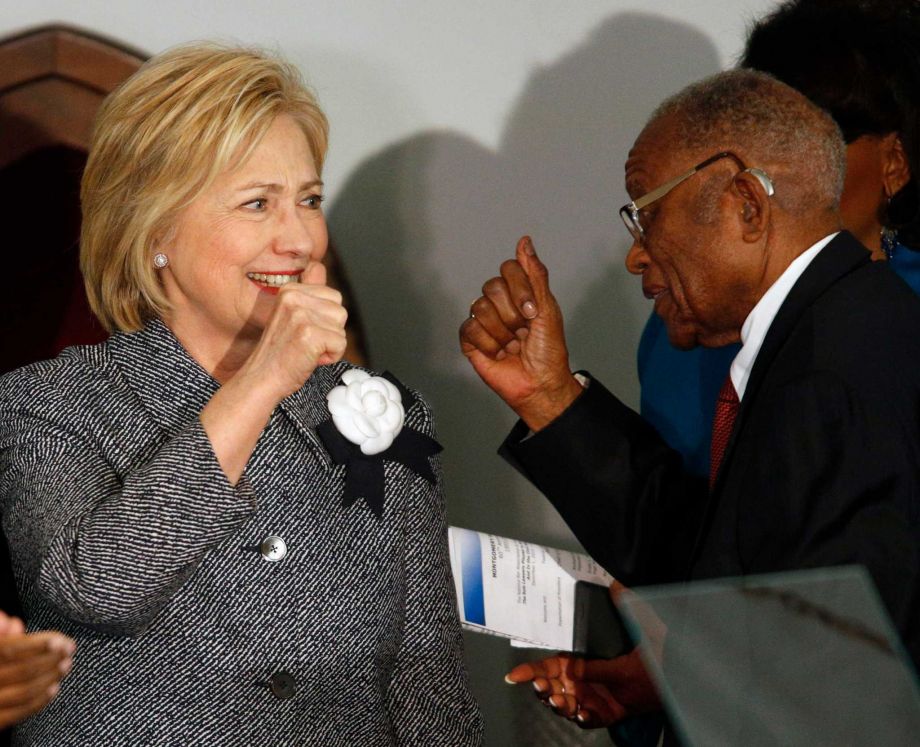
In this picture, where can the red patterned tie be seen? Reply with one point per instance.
(726, 411)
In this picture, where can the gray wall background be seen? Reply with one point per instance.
(456, 128)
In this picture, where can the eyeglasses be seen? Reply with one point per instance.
(630, 212)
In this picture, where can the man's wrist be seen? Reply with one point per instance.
(546, 405)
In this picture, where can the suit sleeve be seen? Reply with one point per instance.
(618, 486)
(108, 550)
(429, 697)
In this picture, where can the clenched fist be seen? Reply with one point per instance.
(515, 341)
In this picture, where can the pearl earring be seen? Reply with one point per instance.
(160, 260)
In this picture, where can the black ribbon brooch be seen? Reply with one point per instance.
(364, 476)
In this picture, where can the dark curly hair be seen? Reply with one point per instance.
(859, 60)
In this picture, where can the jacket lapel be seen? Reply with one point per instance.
(173, 388)
(840, 257)
(306, 408)
(169, 383)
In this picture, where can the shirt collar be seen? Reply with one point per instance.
(758, 322)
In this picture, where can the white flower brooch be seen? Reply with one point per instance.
(367, 410)
(366, 429)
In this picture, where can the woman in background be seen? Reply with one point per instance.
(240, 561)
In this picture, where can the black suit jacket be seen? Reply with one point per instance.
(822, 468)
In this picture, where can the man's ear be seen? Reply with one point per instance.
(751, 191)
(895, 166)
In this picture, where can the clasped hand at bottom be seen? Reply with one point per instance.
(594, 692)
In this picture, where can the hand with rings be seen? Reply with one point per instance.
(514, 339)
(591, 692)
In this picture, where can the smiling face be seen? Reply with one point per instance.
(701, 281)
(254, 228)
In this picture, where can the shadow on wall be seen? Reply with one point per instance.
(425, 222)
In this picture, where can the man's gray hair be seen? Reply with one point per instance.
(770, 126)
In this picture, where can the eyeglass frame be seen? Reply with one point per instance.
(630, 211)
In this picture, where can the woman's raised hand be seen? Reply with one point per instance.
(306, 330)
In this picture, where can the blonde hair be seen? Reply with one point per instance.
(159, 140)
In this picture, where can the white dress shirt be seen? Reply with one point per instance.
(758, 322)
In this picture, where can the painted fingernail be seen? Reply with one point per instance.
(581, 717)
(539, 687)
(530, 309)
(528, 247)
(509, 680)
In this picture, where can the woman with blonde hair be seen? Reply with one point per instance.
(244, 535)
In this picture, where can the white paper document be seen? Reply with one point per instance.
(519, 590)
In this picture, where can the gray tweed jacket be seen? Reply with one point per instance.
(126, 535)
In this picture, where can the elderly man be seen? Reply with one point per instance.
(816, 447)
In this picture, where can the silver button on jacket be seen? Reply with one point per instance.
(273, 548)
